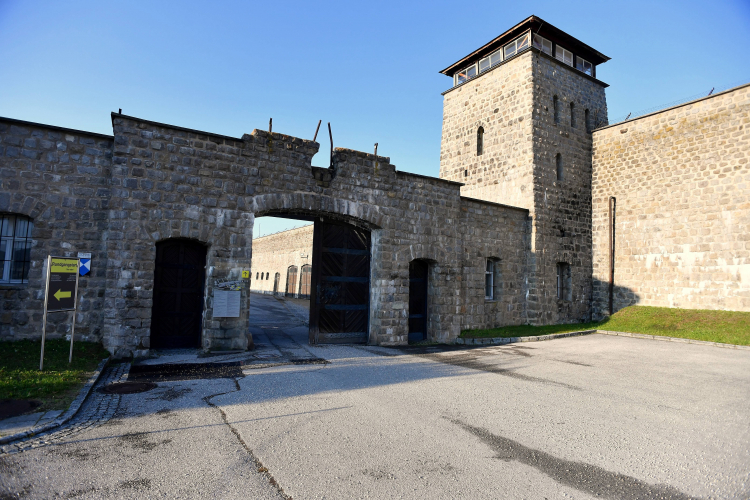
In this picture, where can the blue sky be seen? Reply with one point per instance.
(371, 69)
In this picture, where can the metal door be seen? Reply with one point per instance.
(340, 291)
(417, 301)
(177, 309)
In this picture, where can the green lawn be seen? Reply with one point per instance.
(59, 383)
(729, 327)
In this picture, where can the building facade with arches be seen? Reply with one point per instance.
(519, 227)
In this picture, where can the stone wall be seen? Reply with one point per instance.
(275, 253)
(500, 101)
(681, 178)
(117, 197)
(562, 207)
(59, 178)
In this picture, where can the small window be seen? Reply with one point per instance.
(489, 280)
(564, 282)
(516, 46)
(484, 64)
(266, 275)
(572, 115)
(556, 109)
(256, 275)
(584, 66)
(496, 57)
(466, 173)
(559, 165)
(480, 141)
(15, 248)
(466, 74)
(563, 55)
(587, 119)
(543, 44)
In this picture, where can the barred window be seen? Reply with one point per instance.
(489, 280)
(15, 248)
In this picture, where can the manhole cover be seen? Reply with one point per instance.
(127, 387)
(14, 407)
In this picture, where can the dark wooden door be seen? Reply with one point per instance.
(417, 301)
(178, 294)
(340, 291)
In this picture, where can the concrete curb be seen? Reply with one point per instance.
(513, 340)
(674, 339)
(70, 413)
(539, 338)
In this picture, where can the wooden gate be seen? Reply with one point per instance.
(340, 291)
(177, 309)
(417, 301)
(304, 281)
(291, 281)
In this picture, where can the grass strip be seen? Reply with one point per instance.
(727, 327)
(58, 384)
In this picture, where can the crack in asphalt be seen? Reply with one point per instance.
(258, 464)
(584, 477)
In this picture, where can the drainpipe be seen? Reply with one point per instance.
(612, 214)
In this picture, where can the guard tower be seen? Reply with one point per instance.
(517, 125)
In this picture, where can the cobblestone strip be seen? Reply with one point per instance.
(97, 409)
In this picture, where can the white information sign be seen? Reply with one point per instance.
(227, 304)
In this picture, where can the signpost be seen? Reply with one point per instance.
(61, 294)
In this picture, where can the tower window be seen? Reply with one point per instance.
(559, 165)
(564, 282)
(15, 248)
(480, 141)
(587, 119)
(572, 115)
(517, 46)
(564, 55)
(543, 44)
(465, 74)
(584, 66)
(556, 109)
(466, 173)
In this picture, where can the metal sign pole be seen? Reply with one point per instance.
(44, 321)
(75, 312)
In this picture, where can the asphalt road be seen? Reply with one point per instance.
(584, 417)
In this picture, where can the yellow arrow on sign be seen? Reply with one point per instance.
(62, 295)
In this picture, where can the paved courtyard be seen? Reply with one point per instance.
(584, 417)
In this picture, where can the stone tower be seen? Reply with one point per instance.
(517, 128)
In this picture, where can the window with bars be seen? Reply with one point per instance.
(564, 282)
(15, 248)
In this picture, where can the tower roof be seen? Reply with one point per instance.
(538, 26)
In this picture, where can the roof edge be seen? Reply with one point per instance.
(55, 127)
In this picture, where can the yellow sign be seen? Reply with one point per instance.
(245, 274)
(64, 265)
(62, 295)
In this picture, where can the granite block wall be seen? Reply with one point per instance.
(681, 179)
(59, 179)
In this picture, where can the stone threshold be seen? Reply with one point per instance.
(65, 417)
(539, 338)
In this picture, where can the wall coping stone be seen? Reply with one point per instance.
(733, 89)
(485, 202)
(55, 127)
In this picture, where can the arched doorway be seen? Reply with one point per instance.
(276, 279)
(418, 300)
(304, 282)
(179, 278)
(291, 281)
